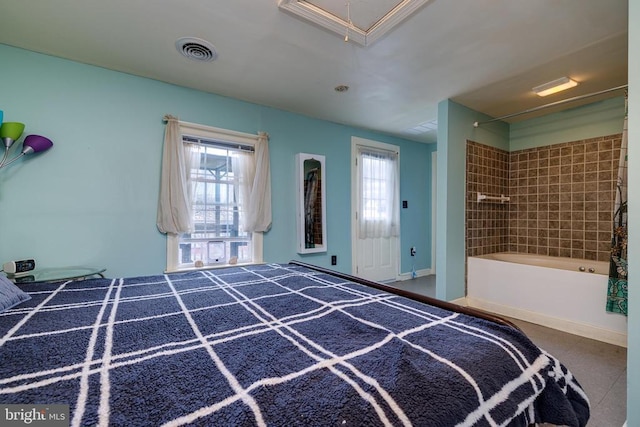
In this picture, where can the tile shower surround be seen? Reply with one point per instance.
(562, 198)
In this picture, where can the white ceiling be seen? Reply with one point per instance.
(484, 54)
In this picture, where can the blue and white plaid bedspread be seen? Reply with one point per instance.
(276, 345)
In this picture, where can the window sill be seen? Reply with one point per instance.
(174, 267)
(210, 267)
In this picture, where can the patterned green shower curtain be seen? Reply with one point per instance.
(617, 289)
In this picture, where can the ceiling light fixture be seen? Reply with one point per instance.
(555, 86)
(429, 126)
(341, 88)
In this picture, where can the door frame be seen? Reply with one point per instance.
(356, 141)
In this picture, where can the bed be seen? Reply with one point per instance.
(273, 344)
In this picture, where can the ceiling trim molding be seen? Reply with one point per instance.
(315, 15)
(312, 13)
(395, 16)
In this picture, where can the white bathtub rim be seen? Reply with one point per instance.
(546, 261)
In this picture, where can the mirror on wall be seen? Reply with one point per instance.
(311, 203)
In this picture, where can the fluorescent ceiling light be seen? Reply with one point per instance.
(555, 86)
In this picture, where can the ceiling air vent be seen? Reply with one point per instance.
(196, 49)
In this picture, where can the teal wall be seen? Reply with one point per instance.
(633, 352)
(589, 121)
(92, 199)
(455, 127)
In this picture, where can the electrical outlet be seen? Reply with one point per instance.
(413, 251)
(334, 259)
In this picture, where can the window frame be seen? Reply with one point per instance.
(173, 240)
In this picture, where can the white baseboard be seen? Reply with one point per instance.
(419, 273)
(581, 329)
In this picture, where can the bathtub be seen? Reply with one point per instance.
(561, 293)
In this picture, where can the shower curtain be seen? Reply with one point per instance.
(617, 288)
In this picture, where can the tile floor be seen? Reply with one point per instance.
(600, 368)
(424, 285)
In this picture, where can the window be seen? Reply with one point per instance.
(378, 193)
(376, 171)
(217, 165)
(217, 238)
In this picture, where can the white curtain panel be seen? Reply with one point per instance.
(378, 210)
(243, 166)
(259, 203)
(253, 186)
(174, 204)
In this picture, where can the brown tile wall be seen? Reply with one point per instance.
(563, 197)
(486, 222)
(561, 203)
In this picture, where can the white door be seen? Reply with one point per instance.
(375, 209)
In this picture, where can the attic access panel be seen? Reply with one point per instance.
(363, 21)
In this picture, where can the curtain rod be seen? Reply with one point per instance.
(553, 104)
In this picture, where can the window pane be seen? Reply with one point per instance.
(217, 237)
(376, 174)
